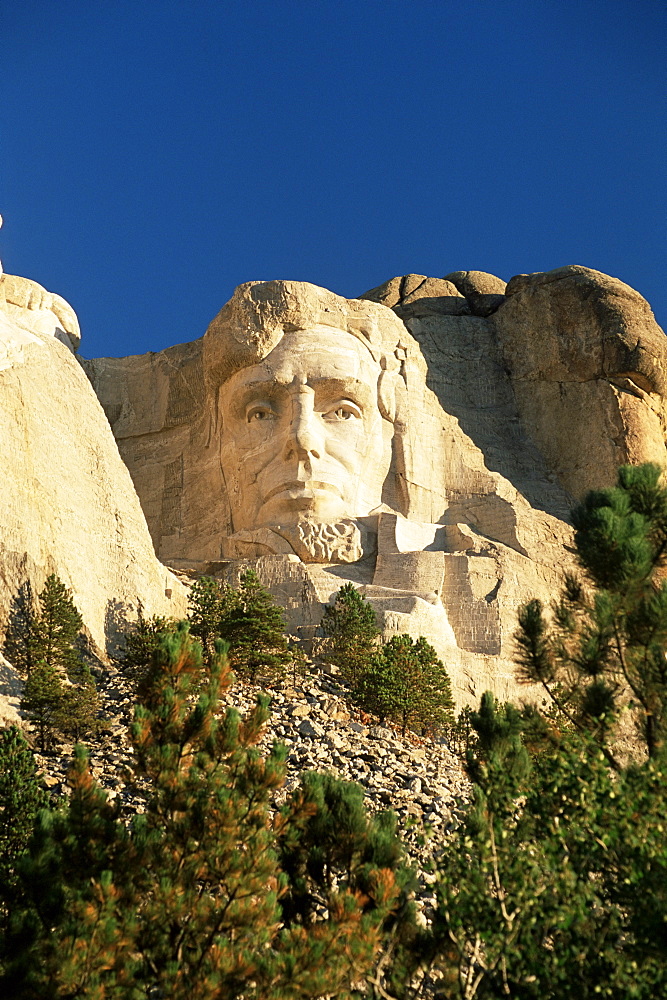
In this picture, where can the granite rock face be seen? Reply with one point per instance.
(588, 367)
(483, 390)
(425, 441)
(68, 505)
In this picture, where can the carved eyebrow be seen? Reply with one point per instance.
(257, 392)
(341, 387)
(340, 383)
(258, 383)
(327, 390)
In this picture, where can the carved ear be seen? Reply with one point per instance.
(213, 422)
(392, 395)
(390, 386)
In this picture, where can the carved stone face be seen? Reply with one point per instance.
(302, 436)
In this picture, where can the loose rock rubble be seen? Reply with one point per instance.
(421, 780)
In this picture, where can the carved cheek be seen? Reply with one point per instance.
(346, 442)
(263, 444)
(241, 448)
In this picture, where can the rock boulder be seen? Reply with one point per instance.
(588, 366)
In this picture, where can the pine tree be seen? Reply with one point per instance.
(339, 846)
(558, 874)
(211, 604)
(407, 683)
(79, 705)
(41, 702)
(140, 643)
(21, 797)
(374, 686)
(337, 843)
(351, 628)
(433, 709)
(185, 902)
(249, 621)
(21, 642)
(57, 627)
(605, 642)
(45, 641)
(555, 882)
(254, 627)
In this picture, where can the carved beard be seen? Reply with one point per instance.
(317, 542)
(312, 541)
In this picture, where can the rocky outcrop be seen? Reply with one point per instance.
(498, 406)
(33, 308)
(67, 503)
(437, 294)
(484, 292)
(461, 293)
(588, 367)
(469, 521)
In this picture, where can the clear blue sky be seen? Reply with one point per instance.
(154, 154)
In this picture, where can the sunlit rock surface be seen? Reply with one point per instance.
(67, 503)
(441, 489)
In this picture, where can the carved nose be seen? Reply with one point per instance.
(303, 440)
(302, 445)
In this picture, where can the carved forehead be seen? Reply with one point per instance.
(320, 352)
(331, 363)
(260, 314)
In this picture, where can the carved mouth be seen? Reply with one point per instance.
(308, 486)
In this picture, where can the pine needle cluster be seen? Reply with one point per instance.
(602, 648)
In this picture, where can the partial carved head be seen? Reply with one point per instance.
(38, 311)
(305, 389)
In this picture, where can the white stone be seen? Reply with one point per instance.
(67, 503)
(310, 728)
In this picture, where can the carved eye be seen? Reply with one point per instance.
(256, 413)
(343, 411)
